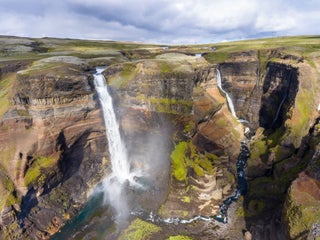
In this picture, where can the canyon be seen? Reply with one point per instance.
(179, 132)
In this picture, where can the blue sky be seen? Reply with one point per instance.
(159, 21)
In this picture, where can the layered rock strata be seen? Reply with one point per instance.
(53, 148)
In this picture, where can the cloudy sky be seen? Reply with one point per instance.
(159, 21)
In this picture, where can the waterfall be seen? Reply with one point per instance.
(114, 186)
(117, 149)
(229, 100)
(282, 101)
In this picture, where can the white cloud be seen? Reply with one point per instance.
(172, 21)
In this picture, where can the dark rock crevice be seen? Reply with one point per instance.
(279, 91)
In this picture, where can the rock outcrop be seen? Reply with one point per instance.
(302, 208)
(242, 79)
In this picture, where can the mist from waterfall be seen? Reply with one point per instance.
(229, 100)
(113, 185)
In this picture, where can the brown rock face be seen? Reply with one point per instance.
(303, 186)
(55, 143)
(261, 96)
(242, 81)
(302, 208)
(217, 130)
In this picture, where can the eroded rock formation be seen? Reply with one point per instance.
(173, 117)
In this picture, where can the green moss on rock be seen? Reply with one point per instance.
(169, 105)
(179, 237)
(165, 67)
(300, 122)
(8, 194)
(138, 230)
(300, 218)
(179, 161)
(34, 173)
(258, 148)
(185, 156)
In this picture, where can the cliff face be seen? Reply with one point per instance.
(242, 79)
(217, 131)
(280, 103)
(52, 140)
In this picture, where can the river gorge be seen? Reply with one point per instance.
(160, 144)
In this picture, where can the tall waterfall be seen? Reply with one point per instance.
(229, 100)
(117, 149)
(113, 186)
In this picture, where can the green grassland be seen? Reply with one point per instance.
(14, 48)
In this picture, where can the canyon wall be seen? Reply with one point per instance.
(53, 150)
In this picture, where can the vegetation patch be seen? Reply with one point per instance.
(300, 124)
(5, 86)
(122, 78)
(300, 219)
(258, 148)
(185, 156)
(23, 113)
(179, 237)
(189, 127)
(39, 67)
(165, 67)
(221, 122)
(138, 230)
(269, 143)
(179, 161)
(186, 199)
(255, 208)
(265, 186)
(35, 172)
(8, 194)
(171, 105)
(218, 56)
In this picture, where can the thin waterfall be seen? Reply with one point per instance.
(229, 100)
(282, 102)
